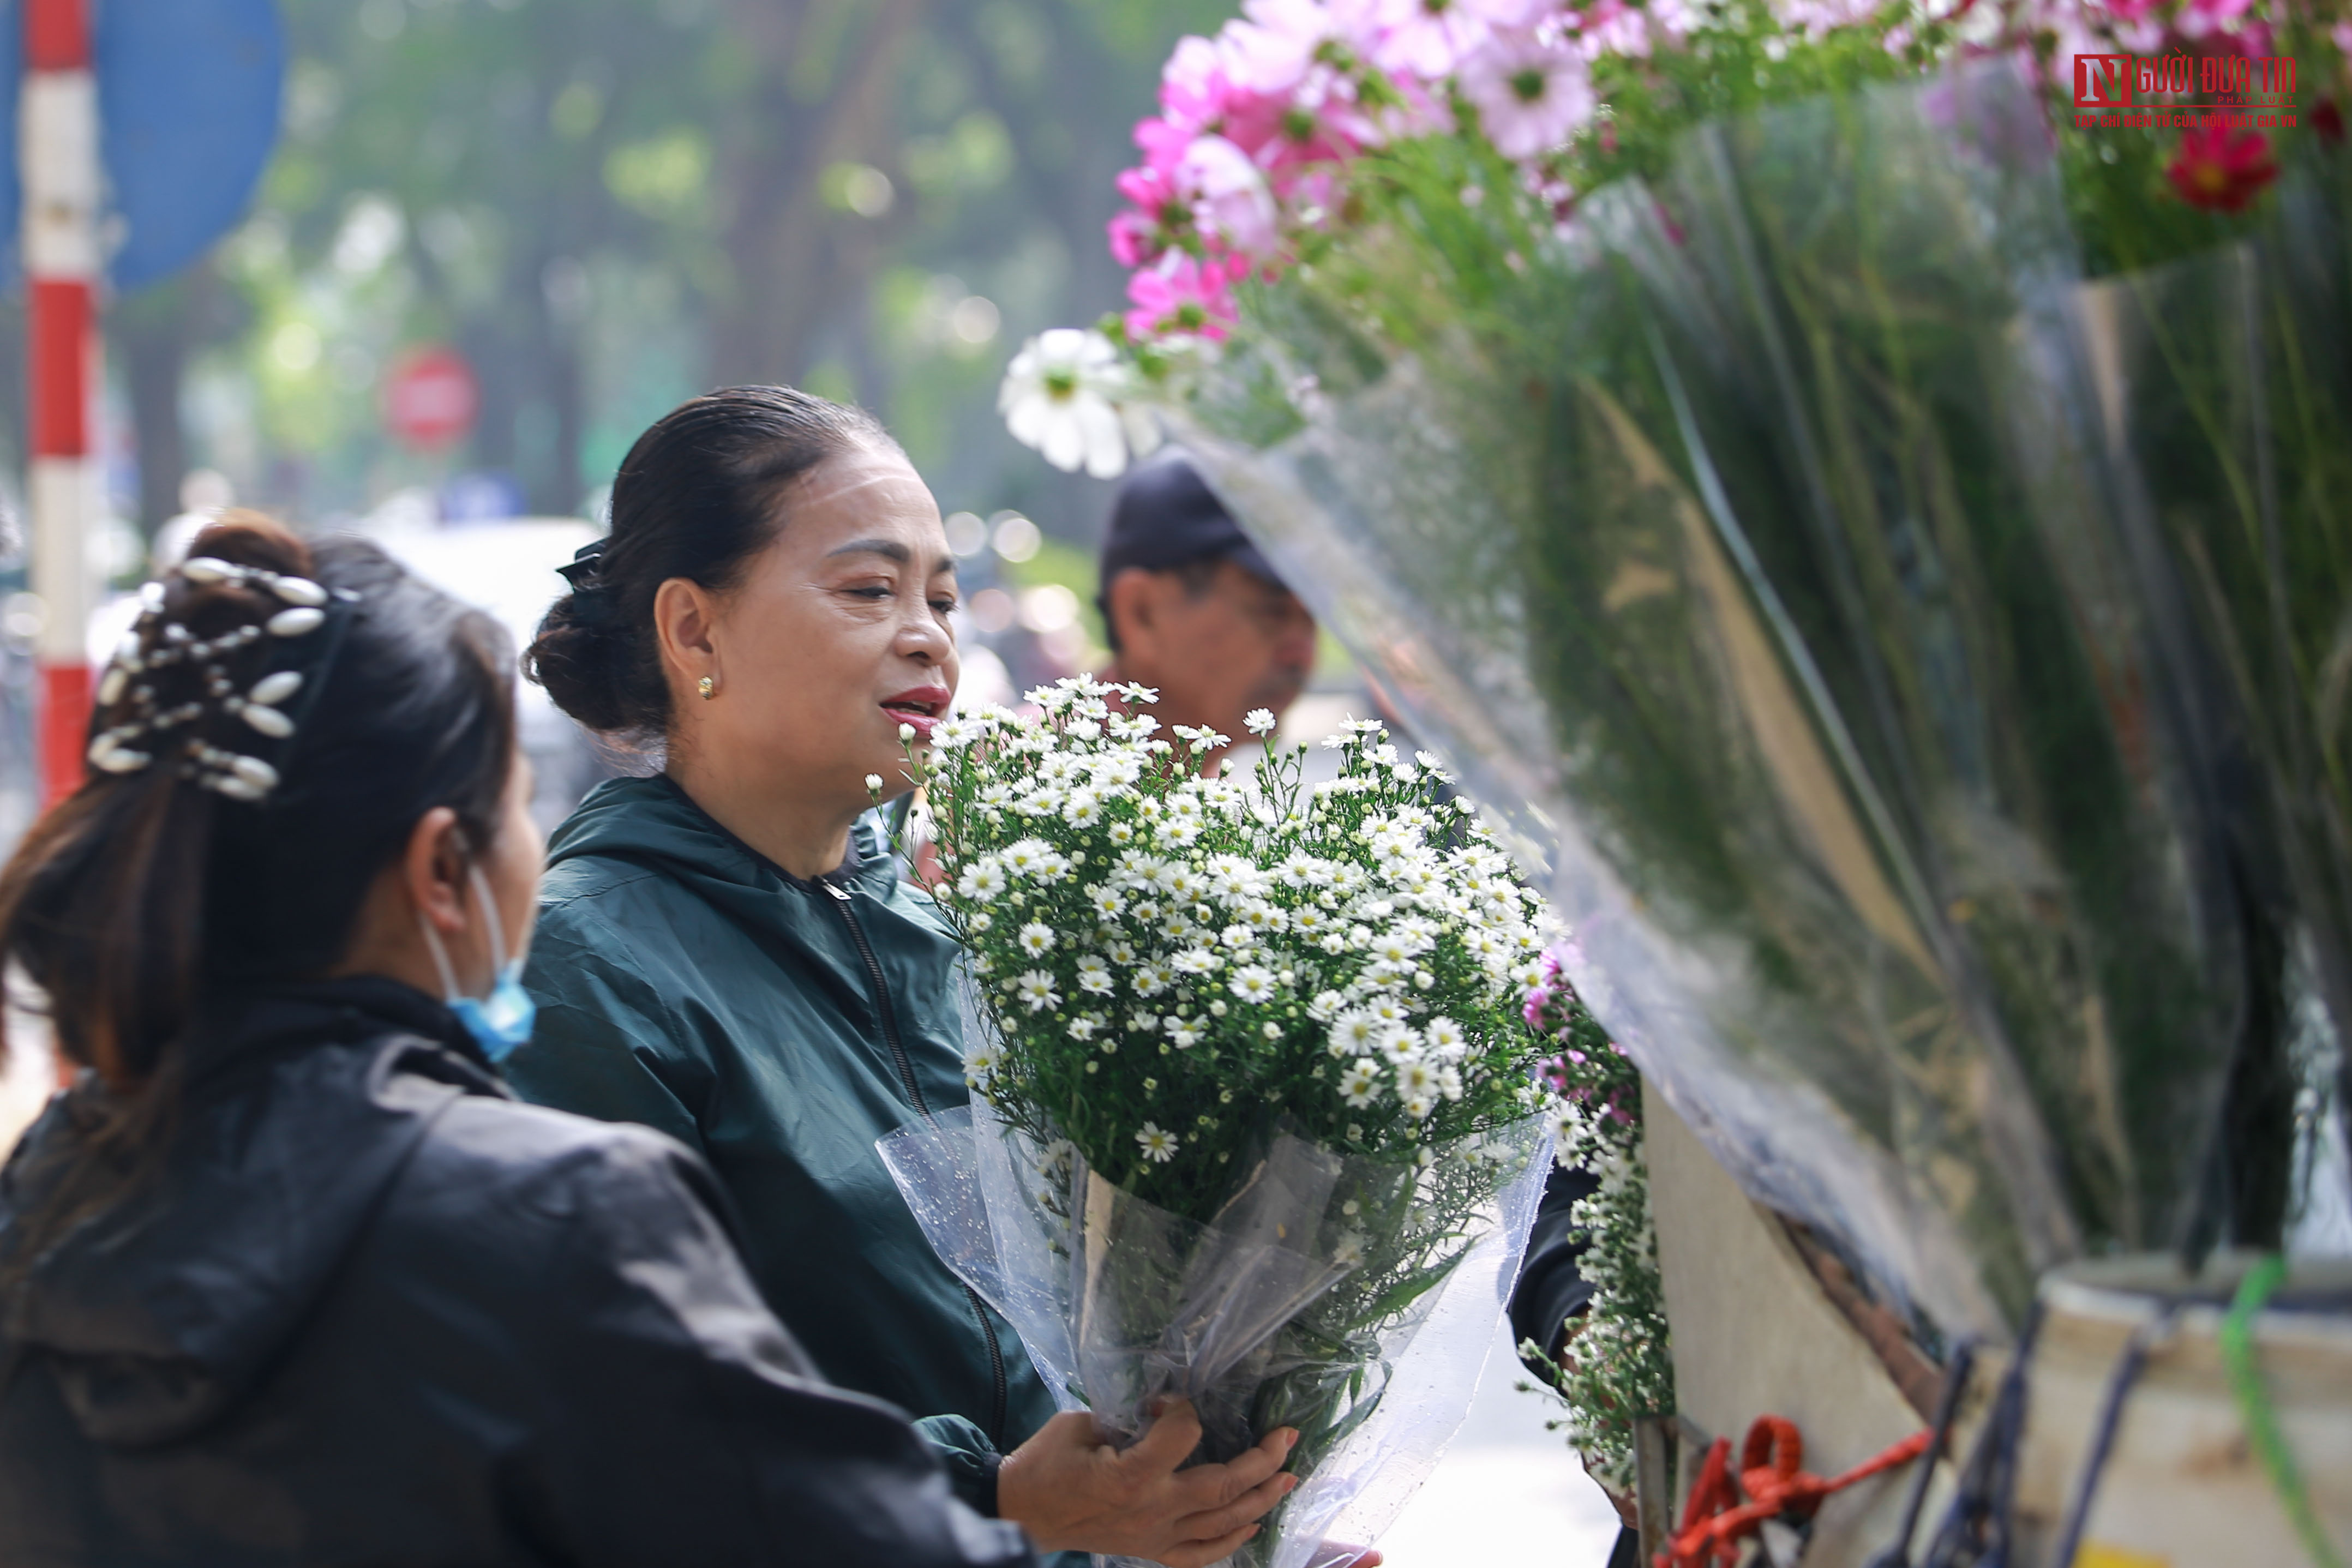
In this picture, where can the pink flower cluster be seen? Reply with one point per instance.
(1255, 122)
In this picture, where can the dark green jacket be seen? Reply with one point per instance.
(779, 1026)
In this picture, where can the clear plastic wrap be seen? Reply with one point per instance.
(1765, 558)
(1352, 1298)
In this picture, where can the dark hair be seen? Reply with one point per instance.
(698, 495)
(147, 890)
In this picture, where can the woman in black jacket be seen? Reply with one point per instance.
(289, 1277)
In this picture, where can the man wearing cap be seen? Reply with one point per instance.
(1192, 609)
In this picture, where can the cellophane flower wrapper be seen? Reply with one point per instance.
(1350, 1296)
(2224, 381)
(1765, 550)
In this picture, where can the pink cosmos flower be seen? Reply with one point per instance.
(1193, 85)
(1425, 39)
(1183, 293)
(1613, 28)
(2200, 17)
(1272, 47)
(1230, 195)
(1531, 96)
(1538, 1000)
(1163, 143)
(2222, 170)
(1135, 240)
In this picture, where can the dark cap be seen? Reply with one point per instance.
(1166, 516)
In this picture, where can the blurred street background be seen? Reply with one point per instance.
(497, 237)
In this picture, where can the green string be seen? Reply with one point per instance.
(2237, 1337)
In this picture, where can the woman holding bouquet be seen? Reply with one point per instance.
(722, 957)
(288, 1275)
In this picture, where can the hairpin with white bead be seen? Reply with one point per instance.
(229, 773)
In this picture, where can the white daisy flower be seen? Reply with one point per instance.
(1180, 832)
(1120, 832)
(1084, 1026)
(1196, 961)
(1158, 1146)
(980, 1066)
(957, 731)
(1448, 1040)
(1036, 988)
(1027, 856)
(1419, 1106)
(984, 879)
(1183, 1033)
(1107, 901)
(1119, 951)
(1416, 1079)
(1449, 1082)
(1083, 809)
(1360, 1085)
(1355, 1032)
(1063, 394)
(1154, 978)
(1400, 1044)
(1326, 1006)
(1036, 938)
(1253, 983)
(1095, 976)
(1260, 721)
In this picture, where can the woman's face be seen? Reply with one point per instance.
(836, 636)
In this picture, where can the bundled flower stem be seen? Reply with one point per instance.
(1615, 1368)
(1254, 1091)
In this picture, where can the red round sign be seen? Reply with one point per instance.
(429, 397)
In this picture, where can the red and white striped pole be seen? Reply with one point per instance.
(57, 142)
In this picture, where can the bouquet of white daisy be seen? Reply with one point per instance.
(1257, 1120)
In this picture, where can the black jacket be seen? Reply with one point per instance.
(371, 1309)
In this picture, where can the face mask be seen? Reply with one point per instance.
(501, 1020)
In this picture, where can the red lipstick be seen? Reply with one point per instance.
(922, 706)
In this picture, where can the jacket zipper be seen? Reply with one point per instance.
(889, 1019)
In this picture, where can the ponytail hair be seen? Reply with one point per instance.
(212, 849)
(698, 495)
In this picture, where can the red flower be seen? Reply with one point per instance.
(2222, 168)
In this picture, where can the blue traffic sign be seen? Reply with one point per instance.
(188, 109)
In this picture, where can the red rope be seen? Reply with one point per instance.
(1714, 1521)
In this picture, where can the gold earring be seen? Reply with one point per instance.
(707, 688)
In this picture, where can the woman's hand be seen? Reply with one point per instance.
(1073, 1492)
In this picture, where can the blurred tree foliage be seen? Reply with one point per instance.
(609, 204)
